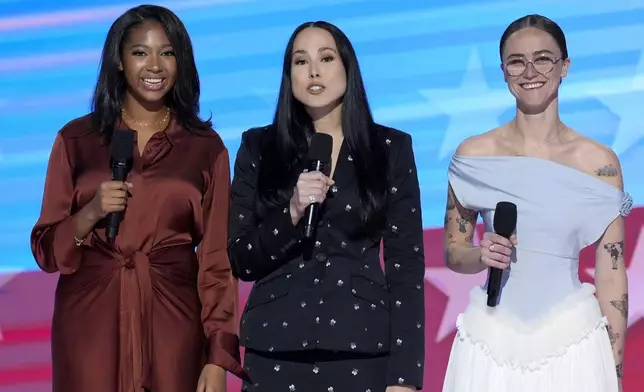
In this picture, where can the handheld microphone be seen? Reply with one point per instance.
(319, 160)
(505, 222)
(121, 163)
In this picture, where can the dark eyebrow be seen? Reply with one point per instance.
(536, 52)
(322, 49)
(327, 48)
(147, 47)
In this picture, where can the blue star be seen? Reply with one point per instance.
(627, 104)
(473, 107)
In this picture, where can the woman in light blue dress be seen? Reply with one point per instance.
(548, 331)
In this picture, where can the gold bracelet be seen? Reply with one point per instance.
(79, 242)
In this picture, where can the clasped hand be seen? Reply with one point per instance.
(111, 196)
(496, 250)
(311, 187)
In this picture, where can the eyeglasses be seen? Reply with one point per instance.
(542, 64)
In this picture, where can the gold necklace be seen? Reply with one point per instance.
(561, 129)
(158, 124)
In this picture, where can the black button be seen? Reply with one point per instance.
(320, 257)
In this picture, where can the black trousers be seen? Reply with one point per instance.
(314, 371)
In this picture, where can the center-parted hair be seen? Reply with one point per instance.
(109, 93)
(538, 22)
(286, 144)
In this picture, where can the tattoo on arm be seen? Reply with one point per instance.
(467, 219)
(616, 251)
(619, 370)
(447, 219)
(450, 202)
(613, 336)
(462, 225)
(606, 171)
(621, 305)
(469, 215)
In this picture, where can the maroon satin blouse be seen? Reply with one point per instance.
(149, 311)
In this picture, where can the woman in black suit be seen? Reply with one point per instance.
(322, 315)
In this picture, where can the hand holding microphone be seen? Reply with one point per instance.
(496, 249)
(121, 163)
(312, 186)
(111, 196)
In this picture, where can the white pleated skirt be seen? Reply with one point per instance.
(568, 350)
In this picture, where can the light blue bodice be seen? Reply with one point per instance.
(561, 210)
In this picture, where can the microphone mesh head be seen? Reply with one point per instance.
(505, 218)
(122, 145)
(321, 147)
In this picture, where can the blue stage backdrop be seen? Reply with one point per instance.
(431, 69)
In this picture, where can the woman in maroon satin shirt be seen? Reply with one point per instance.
(148, 312)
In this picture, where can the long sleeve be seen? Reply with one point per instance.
(256, 248)
(217, 287)
(405, 268)
(52, 238)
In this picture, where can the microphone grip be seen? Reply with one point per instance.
(113, 221)
(494, 281)
(312, 214)
(119, 173)
(494, 286)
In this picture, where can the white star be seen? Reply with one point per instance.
(5, 277)
(625, 102)
(635, 274)
(473, 107)
(457, 287)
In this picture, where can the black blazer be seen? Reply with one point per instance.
(338, 299)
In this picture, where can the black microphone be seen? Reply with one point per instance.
(505, 222)
(319, 160)
(121, 163)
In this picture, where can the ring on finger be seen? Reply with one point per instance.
(311, 199)
(491, 248)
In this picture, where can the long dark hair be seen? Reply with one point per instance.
(109, 94)
(286, 143)
(538, 22)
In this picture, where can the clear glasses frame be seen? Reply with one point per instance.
(543, 69)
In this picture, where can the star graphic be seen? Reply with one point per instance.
(473, 107)
(5, 277)
(626, 103)
(457, 287)
(635, 274)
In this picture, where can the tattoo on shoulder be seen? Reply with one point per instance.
(621, 305)
(619, 370)
(616, 251)
(606, 171)
(613, 336)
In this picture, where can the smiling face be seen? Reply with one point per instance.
(148, 63)
(533, 68)
(318, 76)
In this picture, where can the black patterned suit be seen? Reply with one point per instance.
(323, 316)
